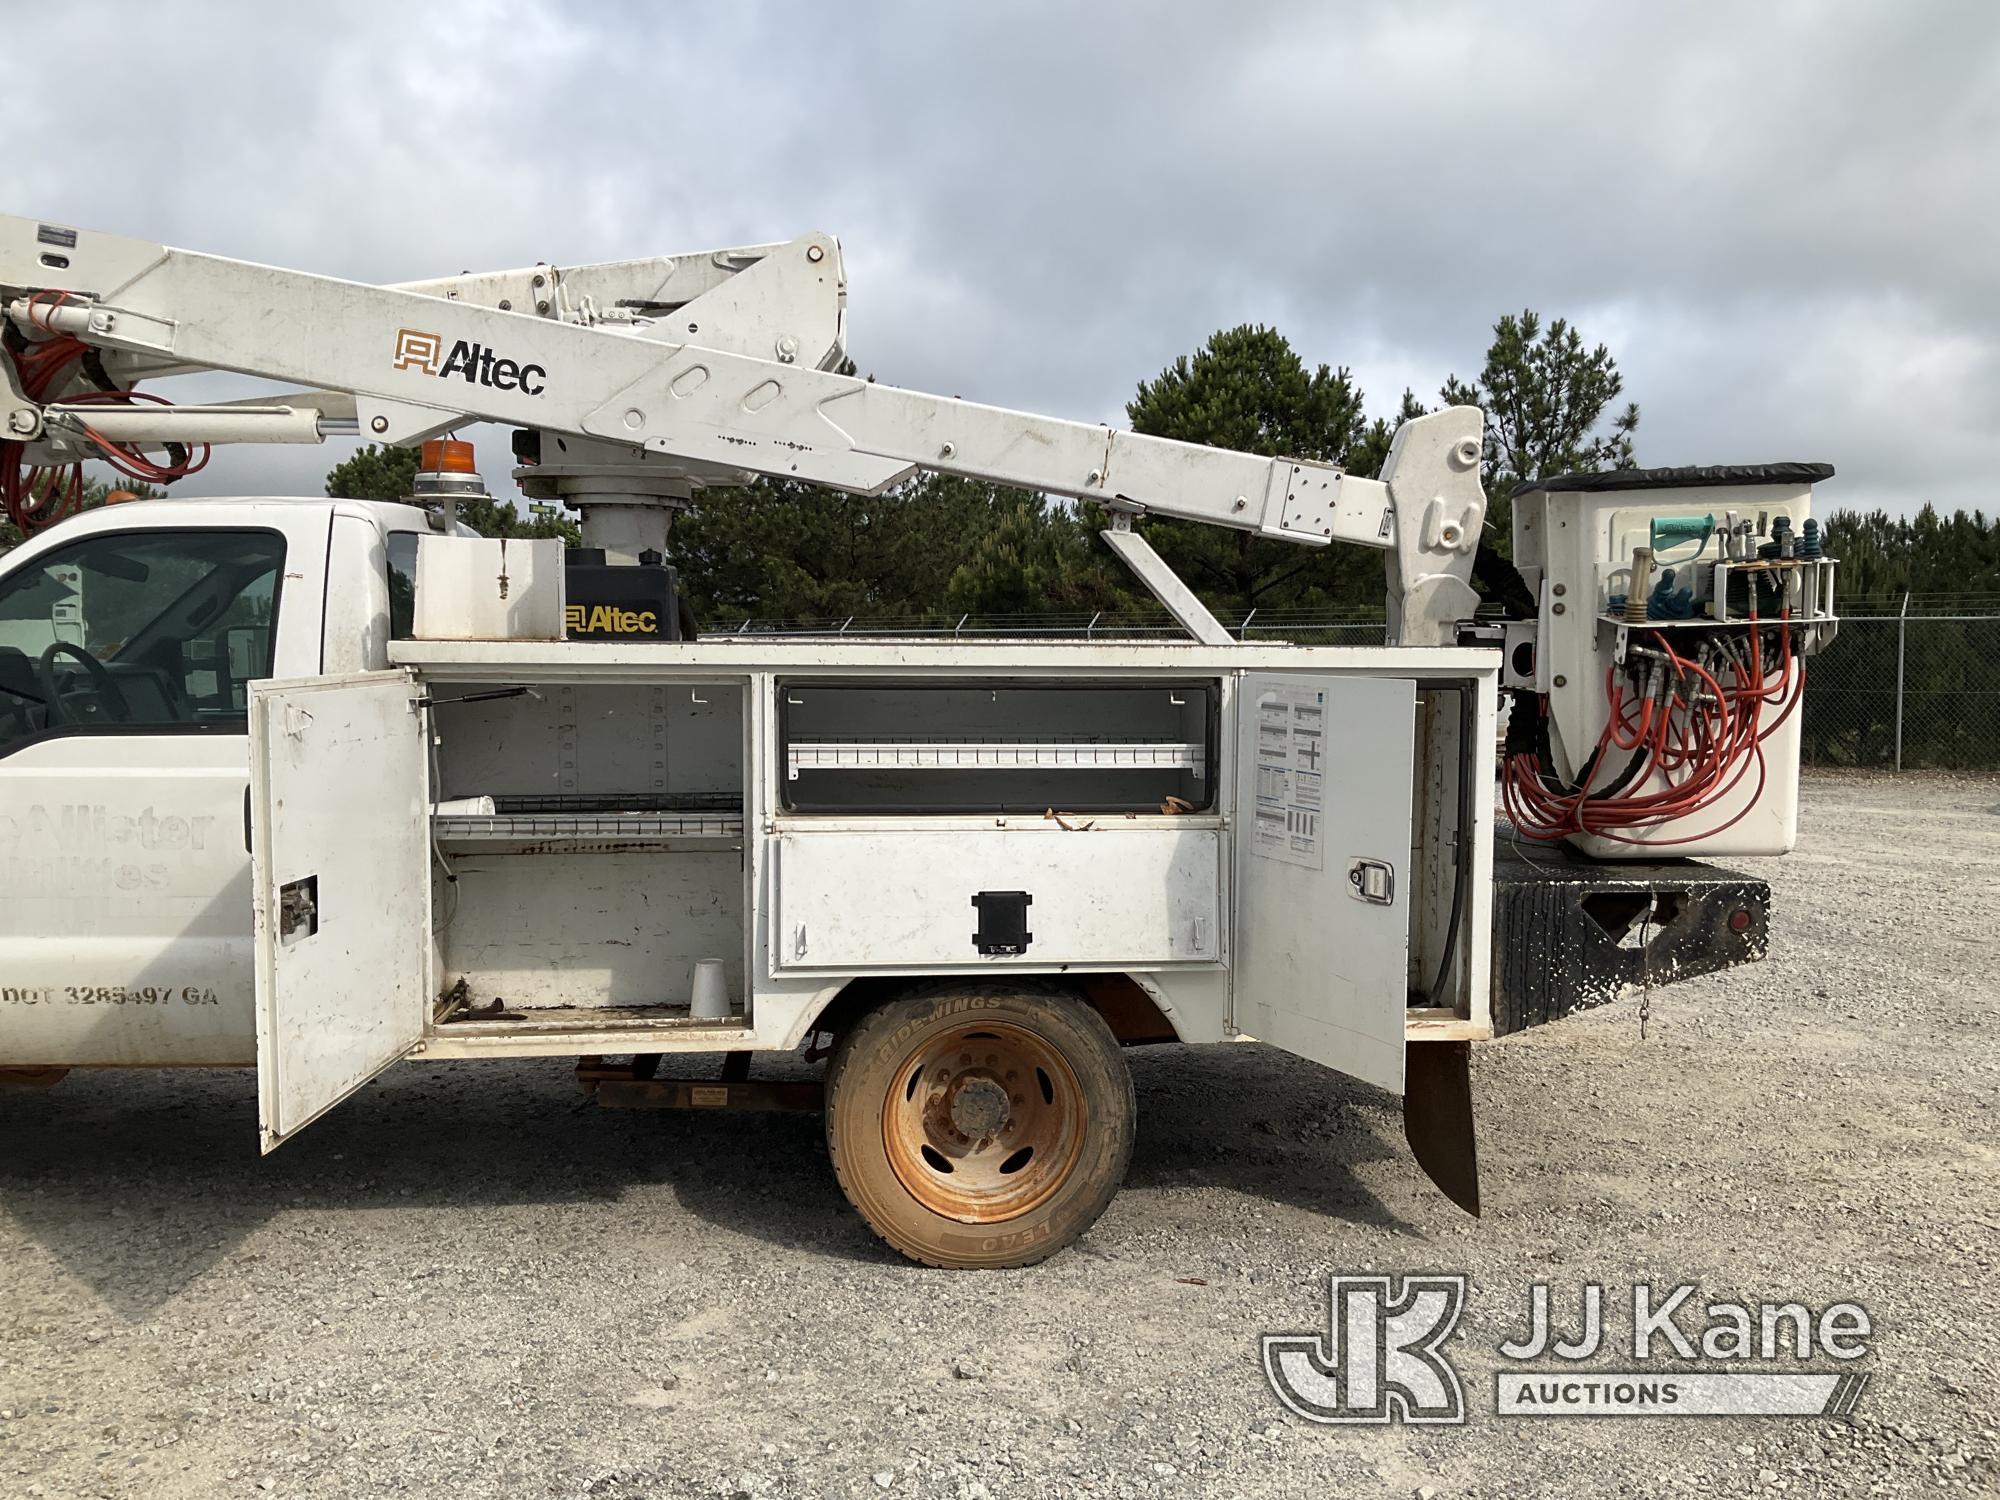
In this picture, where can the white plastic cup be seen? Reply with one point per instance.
(711, 994)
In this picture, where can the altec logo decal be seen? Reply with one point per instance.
(473, 363)
(610, 619)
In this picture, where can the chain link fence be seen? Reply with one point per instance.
(1910, 682)
(1305, 627)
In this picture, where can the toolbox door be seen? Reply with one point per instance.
(340, 887)
(1323, 790)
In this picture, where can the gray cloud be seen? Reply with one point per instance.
(1782, 217)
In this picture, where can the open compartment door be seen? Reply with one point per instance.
(340, 884)
(1320, 963)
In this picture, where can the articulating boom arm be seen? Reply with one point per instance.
(715, 365)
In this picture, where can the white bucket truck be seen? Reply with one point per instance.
(315, 786)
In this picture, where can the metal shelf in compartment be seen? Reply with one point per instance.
(993, 755)
(569, 823)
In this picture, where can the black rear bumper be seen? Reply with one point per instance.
(1570, 933)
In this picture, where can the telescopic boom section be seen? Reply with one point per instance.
(719, 365)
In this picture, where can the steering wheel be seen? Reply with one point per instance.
(103, 686)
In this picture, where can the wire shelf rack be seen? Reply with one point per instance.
(990, 755)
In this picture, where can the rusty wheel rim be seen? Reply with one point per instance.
(985, 1123)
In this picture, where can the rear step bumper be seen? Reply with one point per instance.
(1570, 933)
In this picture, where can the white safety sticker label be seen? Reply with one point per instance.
(1291, 776)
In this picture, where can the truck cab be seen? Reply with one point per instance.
(129, 638)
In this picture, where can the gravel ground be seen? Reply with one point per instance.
(465, 1283)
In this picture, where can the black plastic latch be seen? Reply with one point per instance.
(1003, 921)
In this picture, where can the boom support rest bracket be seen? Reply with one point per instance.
(1164, 583)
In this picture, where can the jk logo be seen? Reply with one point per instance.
(1378, 1360)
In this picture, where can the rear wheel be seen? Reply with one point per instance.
(980, 1125)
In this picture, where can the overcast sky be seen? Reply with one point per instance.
(1784, 218)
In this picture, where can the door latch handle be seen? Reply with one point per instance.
(298, 909)
(1372, 880)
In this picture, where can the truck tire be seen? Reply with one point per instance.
(980, 1125)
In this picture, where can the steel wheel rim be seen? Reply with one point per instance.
(985, 1122)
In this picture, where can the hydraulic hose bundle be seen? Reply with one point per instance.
(1690, 724)
(39, 496)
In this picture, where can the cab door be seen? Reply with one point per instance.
(340, 887)
(128, 636)
(1323, 797)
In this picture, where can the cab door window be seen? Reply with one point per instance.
(401, 552)
(138, 630)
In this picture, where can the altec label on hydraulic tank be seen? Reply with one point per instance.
(609, 619)
(473, 363)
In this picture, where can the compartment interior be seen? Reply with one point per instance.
(590, 837)
(594, 840)
(997, 746)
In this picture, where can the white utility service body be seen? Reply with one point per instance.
(381, 931)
